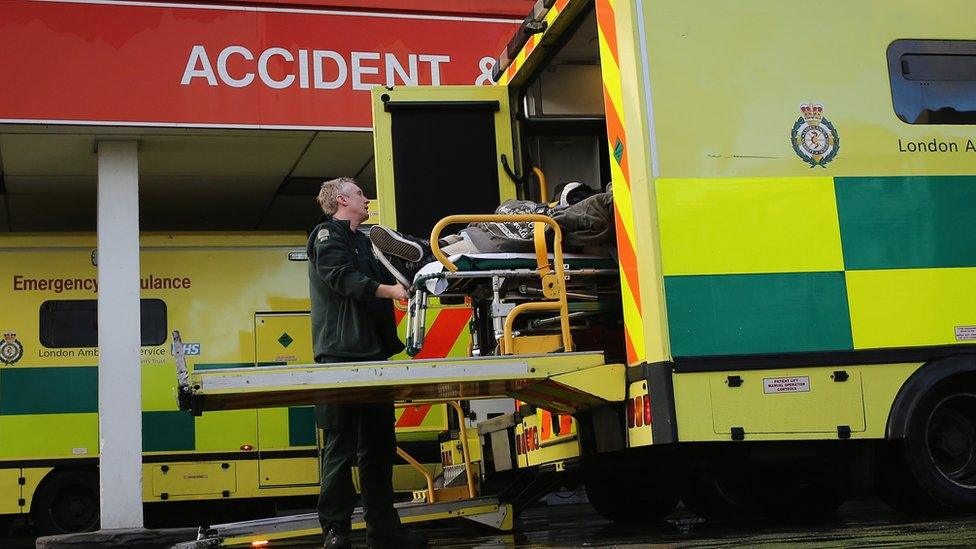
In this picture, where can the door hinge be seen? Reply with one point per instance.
(843, 431)
(840, 376)
(734, 381)
(22, 481)
(21, 502)
(738, 433)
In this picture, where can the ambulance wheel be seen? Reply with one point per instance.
(934, 468)
(67, 503)
(718, 495)
(807, 495)
(631, 499)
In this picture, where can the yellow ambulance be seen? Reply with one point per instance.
(239, 300)
(793, 188)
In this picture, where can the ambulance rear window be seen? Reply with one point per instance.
(74, 323)
(933, 81)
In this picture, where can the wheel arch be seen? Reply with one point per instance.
(918, 385)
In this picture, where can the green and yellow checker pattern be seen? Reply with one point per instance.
(817, 264)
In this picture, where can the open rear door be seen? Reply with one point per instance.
(439, 152)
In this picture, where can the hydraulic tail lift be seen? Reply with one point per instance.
(559, 382)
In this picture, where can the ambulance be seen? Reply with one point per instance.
(792, 313)
(240, 300)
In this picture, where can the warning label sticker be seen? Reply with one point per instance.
(797, 384)
(965, 333)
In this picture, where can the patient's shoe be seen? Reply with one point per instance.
(393, 243)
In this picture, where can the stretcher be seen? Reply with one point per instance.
(547, 281)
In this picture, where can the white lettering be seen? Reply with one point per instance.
(308, 68)
(263, 68)
(198, 56)
(222, 66)
(318, 72)
(303, 69)
(393, 66)
(358, 69)
(435, 71)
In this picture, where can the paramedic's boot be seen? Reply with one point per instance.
(337, 537)
(396, 244)
(401, 539)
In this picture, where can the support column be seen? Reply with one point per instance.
(119, 338)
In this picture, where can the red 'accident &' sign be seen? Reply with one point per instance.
(124, 63)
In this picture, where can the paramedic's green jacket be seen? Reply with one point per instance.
(348, 320)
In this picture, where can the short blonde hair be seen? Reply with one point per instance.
(329, 191)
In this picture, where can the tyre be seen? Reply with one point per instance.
(67, 503)
(800, 491)
(718, 495)
(631, 496)
(934, 468)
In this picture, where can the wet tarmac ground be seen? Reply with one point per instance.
(857, 524)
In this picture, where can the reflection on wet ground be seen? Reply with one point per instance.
(857, 524)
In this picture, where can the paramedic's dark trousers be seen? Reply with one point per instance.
(362, 433)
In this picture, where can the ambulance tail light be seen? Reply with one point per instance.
(647, 410)
(535, 438)
(518, 444)
(638, 416)
(630, 414)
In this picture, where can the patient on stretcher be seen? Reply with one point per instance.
(586, 220)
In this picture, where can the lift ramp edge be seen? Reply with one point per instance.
(484, 510)
(473, 377)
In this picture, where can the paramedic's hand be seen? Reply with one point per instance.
(392, 291)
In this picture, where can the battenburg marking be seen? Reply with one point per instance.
(814, 138)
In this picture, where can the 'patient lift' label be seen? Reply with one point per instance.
(796, 384)
(965, 333)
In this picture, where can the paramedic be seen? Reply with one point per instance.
(352, 320)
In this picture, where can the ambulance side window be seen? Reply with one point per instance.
(74, 323)
(933, 81)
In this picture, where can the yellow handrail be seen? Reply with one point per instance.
(542, 260)
(465, 452)
(464, 447)
(543, 197)
(431, 495)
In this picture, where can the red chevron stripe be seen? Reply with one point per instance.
(606, 21)
(444, 333)
(628, 259)
(413, 416)
(631, 353)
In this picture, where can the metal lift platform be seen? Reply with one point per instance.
(560, 382)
